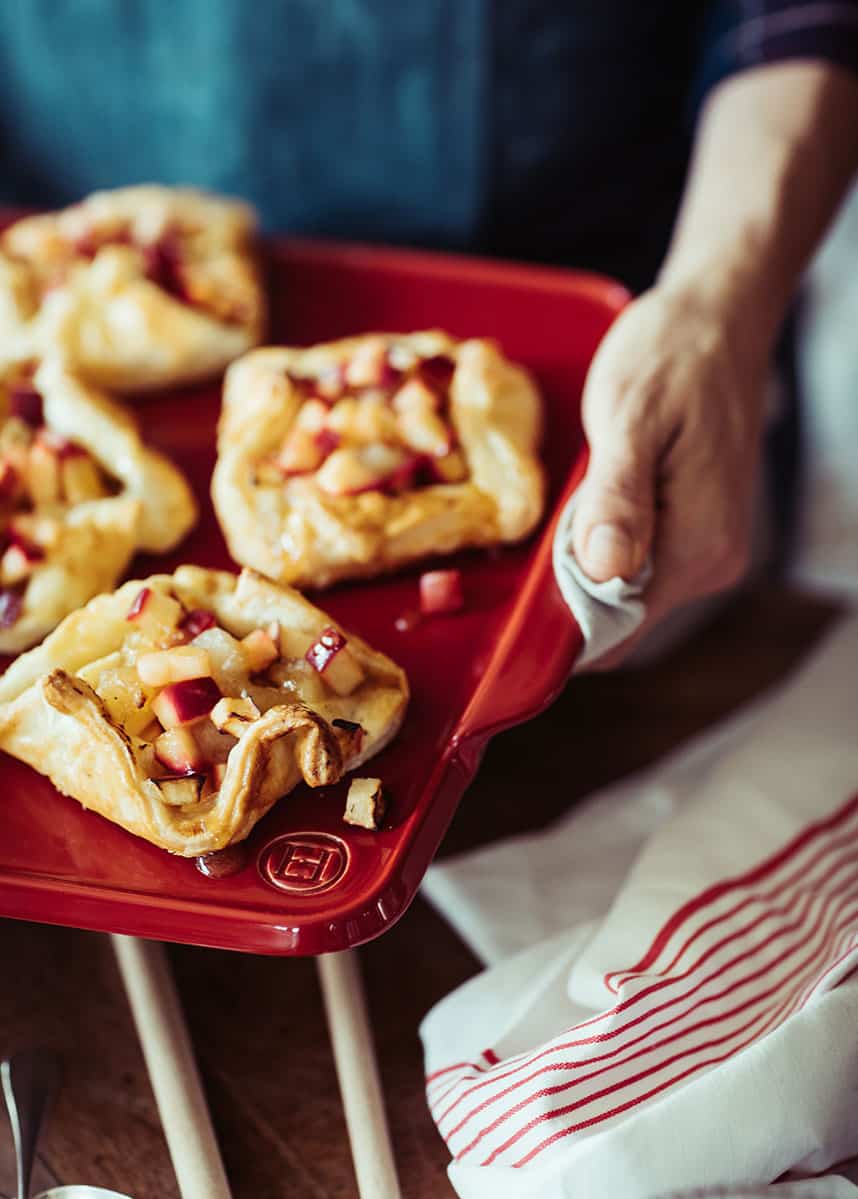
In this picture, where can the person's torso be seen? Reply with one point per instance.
(524, 127)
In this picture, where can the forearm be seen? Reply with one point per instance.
(776, 149)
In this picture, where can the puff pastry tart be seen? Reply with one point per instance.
(140, 287)
(79, 494)
(358, 456)
(183, 706)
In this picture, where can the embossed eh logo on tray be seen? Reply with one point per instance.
(304, 862)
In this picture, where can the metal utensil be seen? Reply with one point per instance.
(80, 1192)
(29, 1081)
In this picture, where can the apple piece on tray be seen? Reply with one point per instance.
(365, 804)
(441, 591)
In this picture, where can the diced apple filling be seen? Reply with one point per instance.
(49, 468)
(20, 557)
(369, 365)
(378, 422)
(39, 469)
(365, 468)
(189, 695)
(162, 666)
(260, 650)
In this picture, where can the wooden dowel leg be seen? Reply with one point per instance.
(172, 1068)
(357, 1071)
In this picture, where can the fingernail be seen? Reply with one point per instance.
(610, 551)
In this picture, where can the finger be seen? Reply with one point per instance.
(613, 525)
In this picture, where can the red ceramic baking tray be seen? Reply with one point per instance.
(311, 883)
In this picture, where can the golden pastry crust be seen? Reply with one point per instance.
(138, 288)
(58, 722)
(297, 532)
(140, 501)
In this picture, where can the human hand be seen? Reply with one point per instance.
(672, 411)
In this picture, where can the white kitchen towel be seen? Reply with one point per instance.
(704, 1030)
(826, 542)
(607, 613)
(832, 1186)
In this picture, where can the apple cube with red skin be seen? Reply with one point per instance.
(260, 650)
(415, 396)
(58, 444)
(26, 404)
(441, 591)
(163, 666)
(343, 416)
(437, 371)
(312, 416)
(19, 559)
(179, 753)
(10, 480)
(155, 613)
(330, 383)
(369, 365)
(197, 621)
(333, 660)
(11, 607)
(184, 702)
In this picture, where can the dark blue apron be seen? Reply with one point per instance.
(523, 127)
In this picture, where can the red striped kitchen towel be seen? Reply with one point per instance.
(706, 1030)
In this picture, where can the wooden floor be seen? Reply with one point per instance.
(257, 1022)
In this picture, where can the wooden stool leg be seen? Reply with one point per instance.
(169, 1056)
(357, 1071)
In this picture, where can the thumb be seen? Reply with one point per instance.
(613, 524)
